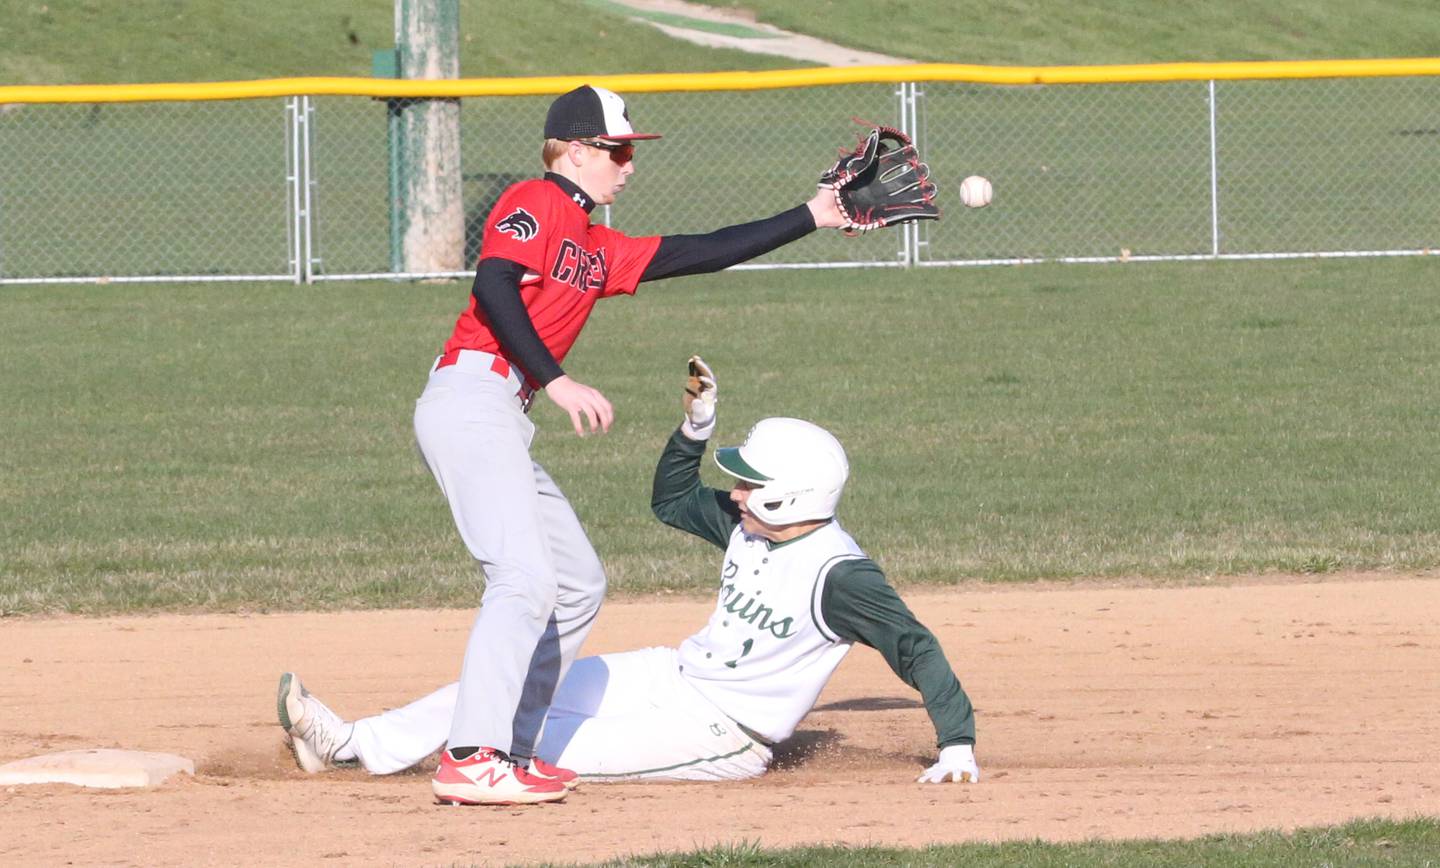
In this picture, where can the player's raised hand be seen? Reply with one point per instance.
(701, 395)
(957, 763)
(586, 406)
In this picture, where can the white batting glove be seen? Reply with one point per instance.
(701, 394)
(957, 763)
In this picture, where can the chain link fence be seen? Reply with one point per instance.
(146, 190)
(301, 188)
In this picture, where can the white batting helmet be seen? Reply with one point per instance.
(798, 468)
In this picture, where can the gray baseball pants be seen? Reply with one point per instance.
(543, 581)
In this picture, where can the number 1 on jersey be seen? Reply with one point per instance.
(744, 649)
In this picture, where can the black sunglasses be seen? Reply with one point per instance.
(620, 152)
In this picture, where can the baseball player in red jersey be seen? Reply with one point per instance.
(543, 266)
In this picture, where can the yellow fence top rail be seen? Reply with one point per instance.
(717, 81)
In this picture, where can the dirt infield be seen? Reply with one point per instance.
(1104, 712)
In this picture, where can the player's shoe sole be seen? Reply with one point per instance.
(461, 803)
(288, 683)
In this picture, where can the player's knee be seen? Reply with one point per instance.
(533, 600)
(595, 585)
(583, 598)
(592, 590)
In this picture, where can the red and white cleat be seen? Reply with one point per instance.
(490, 777)
(541, 769)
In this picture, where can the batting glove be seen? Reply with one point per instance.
(957, 763)
(701, 394)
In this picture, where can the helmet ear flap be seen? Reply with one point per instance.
(775, 505)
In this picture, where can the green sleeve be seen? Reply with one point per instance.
(860, 605)
(679, 500)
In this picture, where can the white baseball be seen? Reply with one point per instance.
(975, 191)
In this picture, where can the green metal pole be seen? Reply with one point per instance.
(385, 63)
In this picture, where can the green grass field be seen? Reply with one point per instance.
(96, 42)
(89, 41)
(1044, 33)
(1361, 843)
(249, 446)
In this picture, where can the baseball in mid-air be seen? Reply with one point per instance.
(976, 192)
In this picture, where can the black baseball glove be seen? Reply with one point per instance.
(882, 182)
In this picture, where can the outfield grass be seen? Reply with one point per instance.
(1360, 843)
(87, 41)
(1043, 32)
(97, 42)
(240, 447)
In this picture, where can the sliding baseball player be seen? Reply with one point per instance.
(795, 594)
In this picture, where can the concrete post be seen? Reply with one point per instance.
(432, 213)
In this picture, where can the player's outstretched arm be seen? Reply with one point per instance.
(680, 255)
(857, 603)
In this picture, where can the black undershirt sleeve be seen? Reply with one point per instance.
(497, 295)
(679, 255)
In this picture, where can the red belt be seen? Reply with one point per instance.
(498, 365)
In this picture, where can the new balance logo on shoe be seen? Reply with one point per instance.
(490, 777)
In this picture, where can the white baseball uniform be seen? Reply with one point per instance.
(786, 614)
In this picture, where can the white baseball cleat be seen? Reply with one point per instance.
(315, 732)
(490, 777)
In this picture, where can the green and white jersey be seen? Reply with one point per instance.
(787, 613)
(765, 654)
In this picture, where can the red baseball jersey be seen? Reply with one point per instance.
(569, 265)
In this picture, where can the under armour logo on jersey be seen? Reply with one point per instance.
(580, 199)
(519, 223)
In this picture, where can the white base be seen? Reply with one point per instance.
(104, 768)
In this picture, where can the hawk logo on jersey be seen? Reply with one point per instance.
(519, 223)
